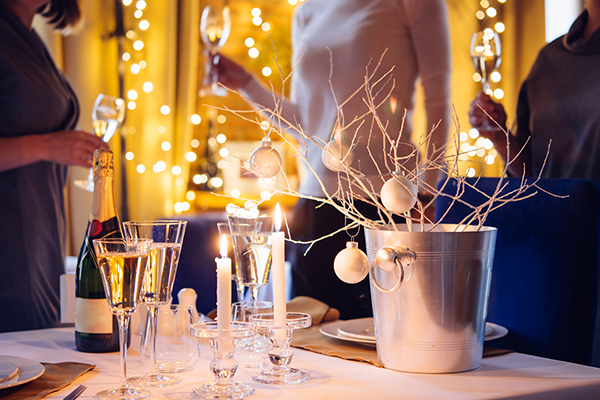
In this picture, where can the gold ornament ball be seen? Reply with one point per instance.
(351, 265)
(399, 194)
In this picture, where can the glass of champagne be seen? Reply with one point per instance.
(122, 265)
(223, 228)
(215, 25)
(167, 238)
(486, 55)
(108, 113)
(251, 236)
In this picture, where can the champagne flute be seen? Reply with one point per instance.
(251, 236)
(223, 228)
(167, 238)
(486, 55)
(215, 26)
(122, 265)
(108, 113)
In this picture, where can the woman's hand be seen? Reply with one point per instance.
(482, 122)
(226, 72)
(74, 147)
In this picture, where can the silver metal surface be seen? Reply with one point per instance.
(435, 321)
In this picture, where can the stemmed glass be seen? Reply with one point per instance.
(251, 236)
(108, 113)
(486, 55)
(167, 238)
(215, 25)
(223, 228)
(122, 265)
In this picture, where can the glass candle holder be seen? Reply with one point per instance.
(223, 366)
(281, 354)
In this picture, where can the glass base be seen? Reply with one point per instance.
(287, 376)
(127, 393)
(230, 390)
(155, 380)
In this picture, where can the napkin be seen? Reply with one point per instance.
(313, 340)
(55, 377)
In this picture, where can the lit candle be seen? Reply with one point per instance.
(278, 272)
(223, 290)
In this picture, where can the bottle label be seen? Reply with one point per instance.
(93, 316)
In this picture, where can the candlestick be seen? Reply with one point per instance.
(223, 290)
(278, 272)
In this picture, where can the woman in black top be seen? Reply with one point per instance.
(38, 140)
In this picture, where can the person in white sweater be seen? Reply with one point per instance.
(336, 43)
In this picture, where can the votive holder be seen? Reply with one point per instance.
(281, 354)
(223, 366)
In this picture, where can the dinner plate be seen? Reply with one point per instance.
(28, 370)
(362, 330)
(7, 369)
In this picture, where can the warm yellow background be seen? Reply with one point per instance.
(173, 52)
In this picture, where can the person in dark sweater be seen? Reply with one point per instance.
(558, 102)
(38, 140)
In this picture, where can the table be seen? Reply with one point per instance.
(511, 375)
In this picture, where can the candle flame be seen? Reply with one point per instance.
(223, 246)
(277, 217)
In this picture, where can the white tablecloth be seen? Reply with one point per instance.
(508, 376)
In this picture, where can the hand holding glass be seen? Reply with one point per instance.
(108, 113)
(122, 266)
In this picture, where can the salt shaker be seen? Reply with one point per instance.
(188, 296)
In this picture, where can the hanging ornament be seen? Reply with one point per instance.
(398, 194)
(351, 265)
(336, 156)
(265, 161)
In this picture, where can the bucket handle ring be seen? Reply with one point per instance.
(388, 258)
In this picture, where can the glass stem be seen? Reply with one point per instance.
(153, 310)
(123, 329)
(240, 291)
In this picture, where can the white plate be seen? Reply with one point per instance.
(28, 371)
(330, 329)
(7, 369)
(361, 330)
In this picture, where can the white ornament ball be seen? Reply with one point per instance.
(399, 194)
(337, 157)
(351, 265)
(265, 161)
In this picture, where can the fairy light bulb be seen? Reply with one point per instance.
(398, 194)
(351, 265)
(265, 161)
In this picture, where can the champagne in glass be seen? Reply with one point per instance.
(486, 55)
(215, 26)
(223, 228)
(122, 265)
(108, 113)
(167, 239)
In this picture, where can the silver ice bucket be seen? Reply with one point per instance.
(430, 293)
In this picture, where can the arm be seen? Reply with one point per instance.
(63, 147)
(431, 40)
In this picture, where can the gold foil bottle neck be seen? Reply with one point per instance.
(103, 163)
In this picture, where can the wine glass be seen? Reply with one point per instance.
(486, 55)
(108, 113)
(223, 228)
(167, 238)
(215, 25)
(122, 266)
(251, 236)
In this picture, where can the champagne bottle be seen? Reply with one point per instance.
(96, 329)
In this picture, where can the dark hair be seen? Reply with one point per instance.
(64, 14)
